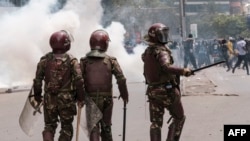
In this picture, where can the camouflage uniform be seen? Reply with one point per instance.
(97, 72)
(163, 91)
(63, 86)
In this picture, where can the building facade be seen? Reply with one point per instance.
(229, 7)
(13, 3)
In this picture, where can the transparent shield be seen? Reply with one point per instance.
(92, 116)
(30, 114)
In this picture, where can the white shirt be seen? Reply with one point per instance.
(241, 47)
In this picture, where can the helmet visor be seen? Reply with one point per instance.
(162, 35)
(70, 36)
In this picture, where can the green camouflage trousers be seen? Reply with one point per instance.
(105, 104)
(160, 99)
(61, 107)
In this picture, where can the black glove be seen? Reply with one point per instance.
(123, 91)
(124, 98)
(38, 98)
(38, 94)
(80, 103)
(187, 72)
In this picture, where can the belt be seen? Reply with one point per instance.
(97, 94)
(167, 85)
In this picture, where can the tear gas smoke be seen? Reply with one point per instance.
(26, 32)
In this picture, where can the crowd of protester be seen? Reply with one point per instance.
(235, 51)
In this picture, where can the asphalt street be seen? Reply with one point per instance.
(211, 99)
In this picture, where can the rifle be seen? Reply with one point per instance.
(208, 66)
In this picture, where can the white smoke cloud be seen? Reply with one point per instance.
(130, 63)
(26, 31)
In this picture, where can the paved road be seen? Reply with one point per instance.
(211, 99)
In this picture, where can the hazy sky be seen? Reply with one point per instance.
(26, 32)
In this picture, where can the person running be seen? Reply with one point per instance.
(242, 54)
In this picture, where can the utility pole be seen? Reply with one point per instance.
(182, 18)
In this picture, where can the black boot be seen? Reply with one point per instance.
(233, 70)
(171, 132)
(175, 129)
(155, 134)
(95, 135)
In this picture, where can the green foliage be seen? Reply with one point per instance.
(210, 24)
(204, 25)
(229, 25)
(136, 3)
(245, 33)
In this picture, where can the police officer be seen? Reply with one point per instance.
(97, 69)
(163, 83)
(63, 84)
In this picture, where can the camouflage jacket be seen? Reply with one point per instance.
(60, 72)
(98, 71)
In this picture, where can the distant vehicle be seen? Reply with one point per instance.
(8, 91)
(17, 89)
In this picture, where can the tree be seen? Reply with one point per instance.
(227, 25)
(204, 25)
(142, 12)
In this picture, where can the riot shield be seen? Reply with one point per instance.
(92, 116)
(30, 114)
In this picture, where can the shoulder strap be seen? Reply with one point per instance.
(47, 57)
(111, 60)
(70, 58)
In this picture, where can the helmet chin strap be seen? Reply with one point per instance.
(59, 51)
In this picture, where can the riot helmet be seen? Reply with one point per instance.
(99, 40)
(60, 41)
(158, 33)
